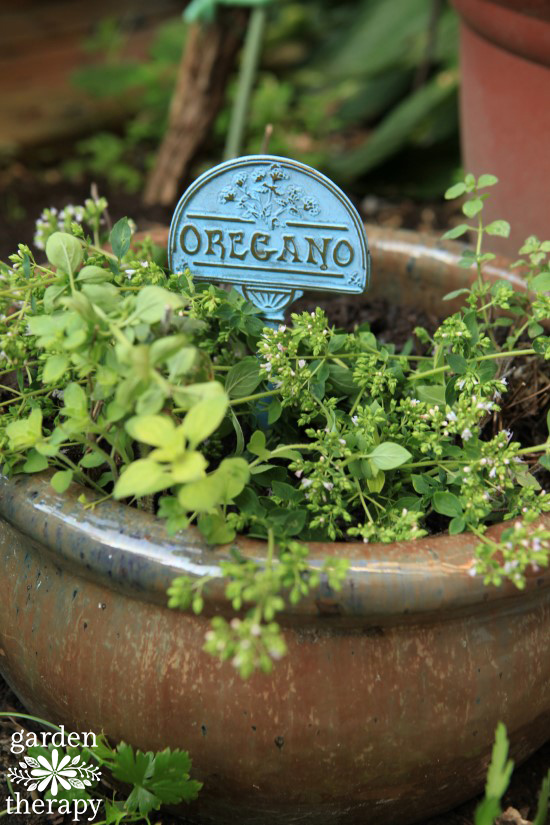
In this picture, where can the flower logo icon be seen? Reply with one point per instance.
(55, 772)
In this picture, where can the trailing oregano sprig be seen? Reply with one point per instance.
(145, 386)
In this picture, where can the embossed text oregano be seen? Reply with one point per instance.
(271, 227)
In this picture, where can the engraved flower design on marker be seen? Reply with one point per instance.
(261, 197)
(354, 278)
(227, 195)
(311, 206)
(277, 173)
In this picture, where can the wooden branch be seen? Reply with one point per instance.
(207, 62)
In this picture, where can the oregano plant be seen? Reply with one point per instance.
(171, 395)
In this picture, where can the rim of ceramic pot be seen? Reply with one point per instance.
(517, 26)
(130, 551)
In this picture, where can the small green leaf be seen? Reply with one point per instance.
(25, 433)
(387, 456)
(203, 495)
(486, 180)
(457, 525)
(422, 484)
(472, 207)
(433, 394)
(62, 480)
(527, 480)
(64, 251)
(256, 445)
(500, 769)
(286, 492)
(114, 812)
(541, 282)
(92, 460)
(151, 401)
(455, 191)
(187, 396)
(456, 231)
(155, 430)
(141, 478)
(500, 228)
(75, 401)
(487, 812)
(235, 474)
(35, 463)
(190, 467)
(455, 293)
(287, 522)
(274, 411)
(203, 419)
(93, 275)
(447, 504)
(243, 378)
(376, 484)
(457, 363)
(120, 237)
(542, 807)
(153, 303)
(470, 319)
(54, 368)
(215, 529)
(164, 349)
(534, 330)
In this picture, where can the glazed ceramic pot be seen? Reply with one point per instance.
(385, 707)
(505, 116)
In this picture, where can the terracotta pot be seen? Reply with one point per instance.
(384, 709)
(505, 116)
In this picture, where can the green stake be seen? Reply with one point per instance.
(249, 65)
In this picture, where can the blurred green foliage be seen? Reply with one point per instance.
(123, 157)
(366, 91)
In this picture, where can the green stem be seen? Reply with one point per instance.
(79, 475)
(108, 459)
(24, 397)
(373, 350)
(484, 309)
(363, 502)
(537, 448)
(481, 535)
(246, 398)
(249, 65)
(99, 249)
(510, 354)
(357, 402)
(12, 369)
(491, 357)
(14, 715)
(274, 453)
(270, 547)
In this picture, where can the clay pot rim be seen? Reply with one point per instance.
(130, 551)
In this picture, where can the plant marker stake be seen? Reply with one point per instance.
(271, 227)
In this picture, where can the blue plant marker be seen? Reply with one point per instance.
(271, 227)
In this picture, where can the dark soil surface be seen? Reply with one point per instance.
(23, 195)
